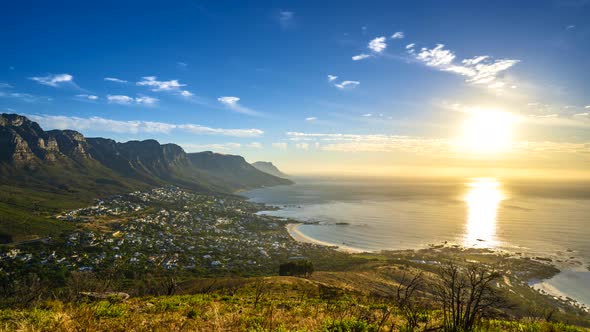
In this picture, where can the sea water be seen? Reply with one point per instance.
(549, 219)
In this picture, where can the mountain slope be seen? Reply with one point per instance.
(269, 168)
(54, 169)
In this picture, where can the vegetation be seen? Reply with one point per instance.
(298, 268)
(286, 304)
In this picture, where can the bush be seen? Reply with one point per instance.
(300, 268)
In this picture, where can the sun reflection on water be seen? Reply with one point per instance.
(483, 199)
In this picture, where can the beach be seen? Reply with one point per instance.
(297, 235)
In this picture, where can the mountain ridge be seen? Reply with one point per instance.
(49, 171)
(26, 146)
(269, 168)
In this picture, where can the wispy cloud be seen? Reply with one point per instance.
(377, 45)
(155, 85)
(302, 146)
(360, 57)
(89, 97)
(286, 18)
(191, 147)
(135, 127)
(172, 86)
(280, 145)
(26, 97)
(54, 80)
(347, 84)
(398, 35)
(311, 119)
(126, 100)
(332, 78)
(146, 100)
(233, 104)
(114, 79)
(478, 70)
(339, 142)
(120, 99)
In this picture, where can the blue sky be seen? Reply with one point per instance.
(278, 80)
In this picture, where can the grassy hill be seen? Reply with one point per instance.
(256, 304)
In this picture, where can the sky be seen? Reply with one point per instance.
(371, 87)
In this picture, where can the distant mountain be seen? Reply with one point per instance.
(66, 160)
(269, 168)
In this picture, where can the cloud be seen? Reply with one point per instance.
(360, 57)
(587, 107)
(373, 143)
(368, 115)
(155, 85)
(89, 97)
(398, 35)
(409, 46)
(232, 103)
(347, 84)
(570, 27)
(280, 145)
(254, 145)
(120, 99)
(114, 79)
(135, 127)
(186, 93)
(332, 78)
(5, 86)
(26, 97)
(145, 100)
(302, 146)
(311, 119)
(377, 45)
(436, 57)
(190, 147)
(54, 80)
(478, 70)
(286, 18)
(126, 100)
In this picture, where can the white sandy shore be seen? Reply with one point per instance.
(297, 235)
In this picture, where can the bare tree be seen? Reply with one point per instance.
(260, 288)
(407, 300)
(466, 294)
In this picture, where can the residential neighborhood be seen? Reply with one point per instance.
(168, 228)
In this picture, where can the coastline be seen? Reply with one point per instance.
(297, 235)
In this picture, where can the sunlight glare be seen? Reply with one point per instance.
(483, 199)
(487, 131)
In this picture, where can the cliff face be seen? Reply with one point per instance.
(25, 147)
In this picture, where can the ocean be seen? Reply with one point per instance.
(548, 219)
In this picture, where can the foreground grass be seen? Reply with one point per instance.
(269, 304)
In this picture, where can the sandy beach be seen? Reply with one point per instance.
(297, 235)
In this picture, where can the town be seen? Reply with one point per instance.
(167, 228)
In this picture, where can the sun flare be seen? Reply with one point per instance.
(487, 131)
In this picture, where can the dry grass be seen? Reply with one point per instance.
(284, 304)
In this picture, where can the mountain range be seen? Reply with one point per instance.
(61, 168)
(29, 153)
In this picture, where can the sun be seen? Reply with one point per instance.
(487, 131)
